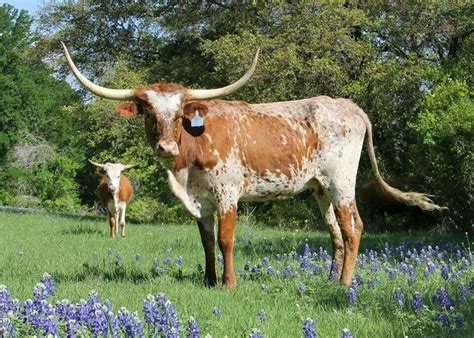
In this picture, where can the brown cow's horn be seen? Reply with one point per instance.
(98, 165)
(203, 94)
(129, 166)
(107, 93)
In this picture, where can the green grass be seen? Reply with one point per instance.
(74, 252)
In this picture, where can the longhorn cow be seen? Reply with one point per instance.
(218, 153)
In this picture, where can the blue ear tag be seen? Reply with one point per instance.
(197, 120)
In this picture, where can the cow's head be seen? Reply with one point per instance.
(161, 104)
(112, 172)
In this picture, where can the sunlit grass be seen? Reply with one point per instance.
(80, 257)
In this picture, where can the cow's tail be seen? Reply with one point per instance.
(409, 198)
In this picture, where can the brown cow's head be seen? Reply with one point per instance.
(161, 104)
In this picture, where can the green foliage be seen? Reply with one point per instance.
(146, 210)
(445, 152)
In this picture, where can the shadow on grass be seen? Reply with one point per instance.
(82, 230)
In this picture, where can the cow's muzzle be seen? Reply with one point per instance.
(167, 149)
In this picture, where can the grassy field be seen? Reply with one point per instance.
(274, 275)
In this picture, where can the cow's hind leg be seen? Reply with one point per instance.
(227, 221)
(208, 239)
(351, 228)
(329, 217)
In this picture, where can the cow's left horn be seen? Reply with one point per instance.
(129, 166)
(203, 94)
(107, 93)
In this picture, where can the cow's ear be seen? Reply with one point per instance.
(193, 108)
(128, 109)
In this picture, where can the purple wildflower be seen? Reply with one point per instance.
(459, 321)
(255, 334)
(49, 283)
(167, 261)
(155, 262)
(400, 297)
(463, 293)
(109, 252)
(216, 311)
(346, 333)
(220, 259)
(443, 318)
(417, 302)
(161, 316)
(261, 315)
(193, 330)
(264, 288)
(352, 295)
(300, 289)
(138, 258)
(445, 272)
(179, 261)
(265, 262)
(442, 299)
(309, 328)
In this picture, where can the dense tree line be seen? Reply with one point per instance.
(409, 66)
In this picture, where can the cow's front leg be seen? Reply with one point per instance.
(227, 220)
(208, 239)
(121, 218)
(112, 225)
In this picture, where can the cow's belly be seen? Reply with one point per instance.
(275, 186)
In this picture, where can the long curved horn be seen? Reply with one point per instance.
(129, 166)
(203, 94)
(98, 165)
(107, 93)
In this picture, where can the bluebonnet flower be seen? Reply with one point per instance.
(443, 318)
(216, 311)
(374, 266)
(261, 315)
(138, 258)
(442, 299)
(352, 295)
(463, 293)
(265, 262)
(109, 252)
(49, 284)
(307, 250)
(400, 297)
(430, 268)
(417, 302)
(459, 321)
(255, 334)
(346, 333)
(300, 289)
(445, 272)
(179, 261)
(159, 271)
(193, 330)
(161, 316)
(371, 283)
(167, 261)
(247, 266)
(118, 257)
(129, 323)
(155, 262)
(264, 288)
(72, 328)
(6, 303)
(220, 259)
(65, 310)
(309, 328)
(287, 273)
(334, 272)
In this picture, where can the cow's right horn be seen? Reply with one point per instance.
(98, 165)
(106, 93)
(206, 94)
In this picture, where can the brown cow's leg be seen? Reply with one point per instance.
(206, 229)
(336, 237)
(112, 225)
(352, 228)
(226, 244)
